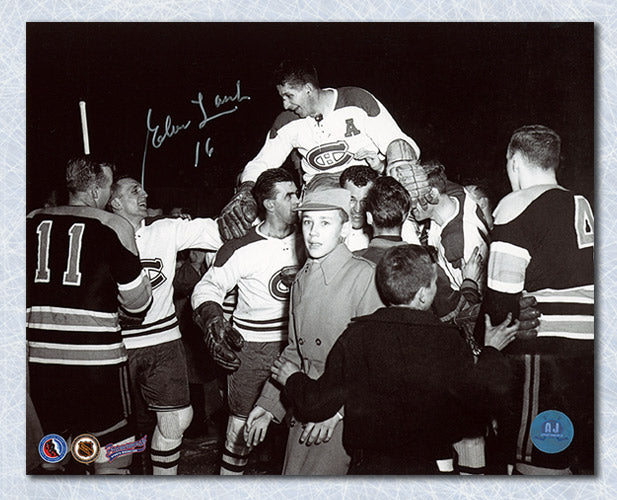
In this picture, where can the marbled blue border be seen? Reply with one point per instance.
(15, 14)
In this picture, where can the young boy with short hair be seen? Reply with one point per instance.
(333, 287)
(402, 375)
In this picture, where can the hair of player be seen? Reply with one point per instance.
(540, 145)
(388, 202)
(436, 174)
(265, 186)
(85, 172)
(359, 175)
(402, 271)
(296, 73)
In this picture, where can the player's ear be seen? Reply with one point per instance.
(115, 204)
(369, 218)
(309, 87)
(269, 205)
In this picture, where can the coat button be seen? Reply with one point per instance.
(301, 341)
(318, 341)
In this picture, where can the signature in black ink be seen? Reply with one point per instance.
(169, 130)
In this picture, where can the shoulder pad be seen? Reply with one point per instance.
(360, 98)
(281, 120)
(230, 247)
(515, 203)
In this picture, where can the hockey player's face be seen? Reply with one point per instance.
(322, 231)
(358, 203)
(133, 199)
(296, 98)
(285, 201)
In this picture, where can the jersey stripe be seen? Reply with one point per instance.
(69, 319)
(149, 334)
(73, 354)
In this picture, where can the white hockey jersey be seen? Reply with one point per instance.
(158, 245)
(262, 268)
(356, 121)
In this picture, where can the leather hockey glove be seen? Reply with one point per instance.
(222, 341)
(528, 316)
(238, 215)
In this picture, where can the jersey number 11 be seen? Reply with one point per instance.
(71, 276)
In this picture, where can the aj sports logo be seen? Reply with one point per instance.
(53, 448)
(552, 431)
(85, 448)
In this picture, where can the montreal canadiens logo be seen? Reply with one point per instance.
(281, 282)
(330, 155)
(53, 448)
(154, 268)
(85, 448)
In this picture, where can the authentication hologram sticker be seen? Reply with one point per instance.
(552, 431)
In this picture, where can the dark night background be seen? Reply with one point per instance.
(459, 89)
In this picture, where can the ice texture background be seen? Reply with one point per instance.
(15, 14)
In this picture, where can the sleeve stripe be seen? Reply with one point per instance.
(508, 248)
(505, 287)
(133, 284)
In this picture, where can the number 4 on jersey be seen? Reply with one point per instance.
(71, 276)
(583, 222)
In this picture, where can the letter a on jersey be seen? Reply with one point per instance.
(351, 128)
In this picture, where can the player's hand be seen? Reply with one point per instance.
(256, 426)
(238, 215)
(320, 432)
(501, 335)
(222, 341)
(371, 158)
(281, 371)
(528, 316)
(473, 268)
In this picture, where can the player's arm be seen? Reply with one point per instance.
(321, 399)
(202, 233)
(134, 288)
(238, 215)
(505, 283)
(221, 339)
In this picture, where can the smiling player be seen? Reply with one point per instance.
(157, 362)
(331, 129)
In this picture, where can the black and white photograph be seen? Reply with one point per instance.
(310, 249)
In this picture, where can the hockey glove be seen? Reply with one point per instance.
(238, 215)
(528, 316)
(222, 341)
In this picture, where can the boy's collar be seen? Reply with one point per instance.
(332, 263)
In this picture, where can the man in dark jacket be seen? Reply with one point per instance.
(404, 377)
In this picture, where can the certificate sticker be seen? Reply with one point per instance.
(552, 431)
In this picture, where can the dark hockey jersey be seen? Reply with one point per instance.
(542, 244)
(81, 265)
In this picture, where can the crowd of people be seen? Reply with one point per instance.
(389, 317)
